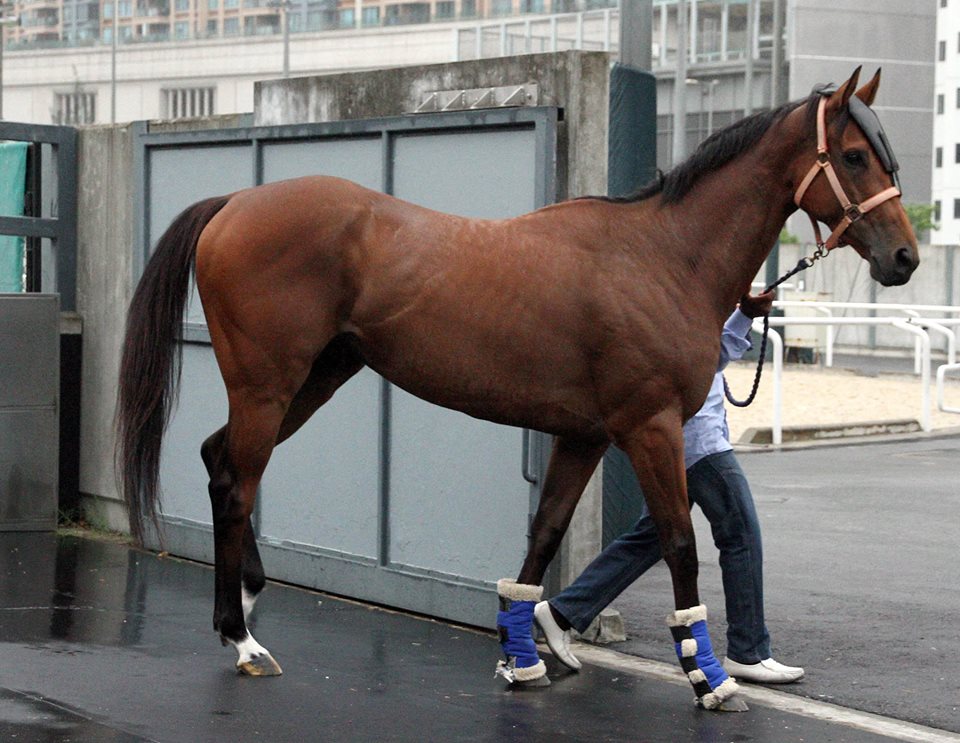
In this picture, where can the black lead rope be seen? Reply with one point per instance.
(802, 265)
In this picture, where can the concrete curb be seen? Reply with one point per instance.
(899, 730)
(880, 436)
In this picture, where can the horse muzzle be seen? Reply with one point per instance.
(896, 268)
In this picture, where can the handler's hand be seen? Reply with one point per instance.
(756, 305)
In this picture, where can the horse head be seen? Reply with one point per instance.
(858, 194)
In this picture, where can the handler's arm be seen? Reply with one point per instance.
(735, 341)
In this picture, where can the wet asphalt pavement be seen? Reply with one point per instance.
(100, 642)
(861, 548)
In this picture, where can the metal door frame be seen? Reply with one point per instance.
(461, 598)
(62, 228)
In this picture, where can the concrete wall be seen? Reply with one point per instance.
(104, 286)
(576, 81)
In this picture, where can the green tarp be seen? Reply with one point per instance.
(13, 183)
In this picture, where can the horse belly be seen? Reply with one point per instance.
(504, 382)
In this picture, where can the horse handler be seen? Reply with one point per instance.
(718, 485)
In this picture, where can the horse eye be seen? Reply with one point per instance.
(854, 157)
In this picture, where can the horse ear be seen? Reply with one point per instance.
(840, 97)
(869, 91)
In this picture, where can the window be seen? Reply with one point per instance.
(124, 8)
(958, 97)
(182, 5)
(956, 154)
(181, 30)
(231, 26)
(938, 157)
(74, 108)
(942, 51)
(956, 208)
(371, 16)
(936, 211)
(213, 4)
(212, 27)
(108, 10)
(943, 3)
(444, 10)
(939, 103)
(182, 103)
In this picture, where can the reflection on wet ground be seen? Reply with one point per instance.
(100, 642)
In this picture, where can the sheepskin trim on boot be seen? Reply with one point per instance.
(688, 648)
(510, 589)
(696, 676)
(715, 698)
(530, 672)
(687, 617)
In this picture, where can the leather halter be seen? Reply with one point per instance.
(851, 212)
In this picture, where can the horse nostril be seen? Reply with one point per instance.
(904, 258)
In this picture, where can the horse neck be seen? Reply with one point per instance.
(729, 221)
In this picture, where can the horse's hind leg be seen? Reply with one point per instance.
(252, 576)
(236, 457)
(254, 429)
(571, 465)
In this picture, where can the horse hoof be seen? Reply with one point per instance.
(259, 665)
(537, 683)
(730, 704)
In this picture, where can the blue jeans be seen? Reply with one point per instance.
(716, 484)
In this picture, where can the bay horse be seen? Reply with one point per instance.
(616, 340)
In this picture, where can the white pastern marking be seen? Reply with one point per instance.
(248, 648)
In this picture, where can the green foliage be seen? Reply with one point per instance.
(921, 217)
(787, 237)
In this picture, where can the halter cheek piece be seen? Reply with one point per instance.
(871, 127)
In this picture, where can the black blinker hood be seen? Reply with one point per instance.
(867, 121)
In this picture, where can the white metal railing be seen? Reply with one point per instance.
(916, 326)
(942, 372)
(916, 312)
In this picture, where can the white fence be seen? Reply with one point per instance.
(912, 319)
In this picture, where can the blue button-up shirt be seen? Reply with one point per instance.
(707, 432)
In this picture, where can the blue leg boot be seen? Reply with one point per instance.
(515, 627)
(713, 687)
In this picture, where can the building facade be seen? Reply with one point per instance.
(183, 58)
(946, 125)
(47, 23)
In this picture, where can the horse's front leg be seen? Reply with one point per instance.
(571, 465)
(656, 452)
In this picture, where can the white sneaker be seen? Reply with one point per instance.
(767, 671)
(557, 639)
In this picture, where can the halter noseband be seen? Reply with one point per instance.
(851, 212)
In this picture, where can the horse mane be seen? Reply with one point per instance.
(713, 153)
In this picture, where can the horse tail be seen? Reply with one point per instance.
(151, 358)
